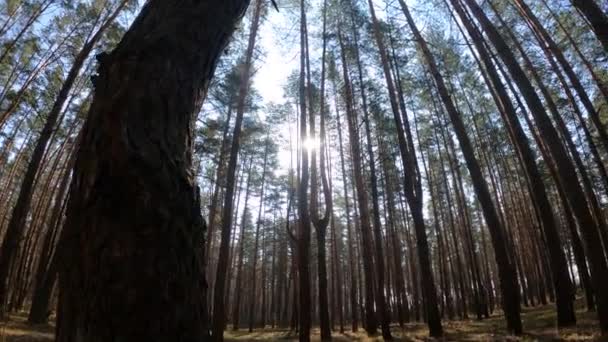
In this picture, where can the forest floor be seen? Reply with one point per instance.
(539, 325)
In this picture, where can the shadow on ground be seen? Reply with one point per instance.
(539, 324)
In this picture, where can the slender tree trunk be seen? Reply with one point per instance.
(258, 224)
(46, 273)
(304, 224)
(553, 51)
(567, 173)
(412, 187)
(349, 237)
(220, 180)
(42, 7)
(506, 270)
(21, 209)
(596, 18)
(561, 280)
(236, 309)
(371, 324)
(379, 257)
(600, 83)
(321, 223)
(219, 311)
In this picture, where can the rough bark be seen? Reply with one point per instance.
(132, 267)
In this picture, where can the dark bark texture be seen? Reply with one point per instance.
(132, 268)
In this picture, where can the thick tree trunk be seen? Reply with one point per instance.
(132, 267)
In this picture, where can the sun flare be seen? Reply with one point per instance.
(311, 144)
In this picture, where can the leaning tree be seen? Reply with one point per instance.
(134, 233)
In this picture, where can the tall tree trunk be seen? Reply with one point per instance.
(36, 15)
(596, 18)
(371, 324)
(127, 246)
(349, 238)
(601, 84)
(379, 257)
(236, 308)
(258, 224)
(21, 209)
(506, 271)
(304, 224)
(567, 173)
(412, 187)
(219, 310)
(561, 279)
(553, 51)
(220, 181)
(46, 272)
(321, 223)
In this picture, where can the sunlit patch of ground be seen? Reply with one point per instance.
(17, 330)
(539, 325)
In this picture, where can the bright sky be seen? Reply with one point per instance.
(279, 40)
(281, 58)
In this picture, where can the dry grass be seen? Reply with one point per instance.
(539, 324)
(17, 330)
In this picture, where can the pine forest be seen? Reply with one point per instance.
(303, 170)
